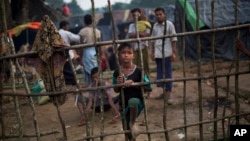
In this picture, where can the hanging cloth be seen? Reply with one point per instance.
(50, 64)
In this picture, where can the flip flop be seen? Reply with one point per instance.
(114, 119)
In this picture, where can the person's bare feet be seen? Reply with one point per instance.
(114, 119)
(134, 130)
(170, 99)
(81, 123)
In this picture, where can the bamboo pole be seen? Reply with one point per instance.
(77, 90)
(2, 63)
(98, 61)
(167, 130)
(236, 96)
(214, 71)
(139, 43)
(2, 69)
(16, 102)
(199, 69)
(184, 68)
(33, 135)
(120, 85)
(164, 85)
(50, 70)
(124, 121)
(129, 40)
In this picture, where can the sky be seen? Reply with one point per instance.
(86, 4)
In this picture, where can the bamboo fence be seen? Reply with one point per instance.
(90, 123)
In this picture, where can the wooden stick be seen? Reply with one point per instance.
(214, 72)
(167, 130)
(120, 85)
(124, 121)
(12, 72)
(184, 69)
(46, 133)
(130, 40)
(28, 92)
(199, 68)
(236, 96)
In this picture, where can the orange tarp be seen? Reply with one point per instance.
(18, 29)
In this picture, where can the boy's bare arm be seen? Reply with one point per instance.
(89, 105)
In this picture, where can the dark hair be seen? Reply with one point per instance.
(160, 9)
(110, 49)
(63, 23)
(135, 10)
(124, 45)
(94, 71)
(88, 19)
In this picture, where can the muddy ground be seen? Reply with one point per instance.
(48, 120)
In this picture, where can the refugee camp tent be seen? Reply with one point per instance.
(224, 16)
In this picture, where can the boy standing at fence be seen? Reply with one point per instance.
(133, 95)
(95, 95)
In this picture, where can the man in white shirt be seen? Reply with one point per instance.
(161, 27)
(68, 38)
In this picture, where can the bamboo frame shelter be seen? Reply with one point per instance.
(216, 120)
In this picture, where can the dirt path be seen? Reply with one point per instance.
(48, 119)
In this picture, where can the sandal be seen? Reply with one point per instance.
(81, 123)
(114, 119)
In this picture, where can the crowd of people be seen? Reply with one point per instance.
(130, 65)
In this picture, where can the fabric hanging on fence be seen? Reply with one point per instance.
(50, 64)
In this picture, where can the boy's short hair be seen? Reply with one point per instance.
(159, 9)
(94, 71)
(135, 10)
(123, 45)
(88, 19)
(63, 23)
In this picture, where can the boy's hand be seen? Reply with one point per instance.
(128, 83)
(173, 57)
(120, 79)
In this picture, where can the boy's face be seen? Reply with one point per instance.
(126, 55)
(95, 77)
(66, 27)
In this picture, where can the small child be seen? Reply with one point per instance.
(133, 95)
(143, 23)
(108, 101)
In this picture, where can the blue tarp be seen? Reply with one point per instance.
(224, 40)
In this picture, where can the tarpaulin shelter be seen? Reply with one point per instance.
(24, 33)
(224, 16)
